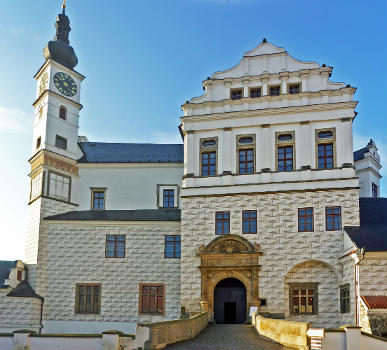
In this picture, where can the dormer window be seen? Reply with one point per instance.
(294, 89)
(63, 112)
(274, 90)
(236, 94)
(255, 92)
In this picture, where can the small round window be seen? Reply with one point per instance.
(285, 137)
(325, 134)
(208, 143)
(245, 140)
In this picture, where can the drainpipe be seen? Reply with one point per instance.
(41, 315)
(357, 285)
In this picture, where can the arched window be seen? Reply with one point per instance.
(63, 112)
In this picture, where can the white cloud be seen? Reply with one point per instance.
(14, 121)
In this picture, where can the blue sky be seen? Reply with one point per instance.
(143, 59)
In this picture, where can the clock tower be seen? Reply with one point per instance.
(55, 150)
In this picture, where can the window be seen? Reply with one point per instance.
(152, 299)
(249, 221)
(168, 198)
(333, 218)
(325, 148)
(208, 163)
(98, 198)
(36, 186)
(374, 190)
(115, 246)
(303, 299)
(344, 299)
(208, 148)
(236, 94)
(325, 156)
(274, 90)
(62, 113)
(294, 89)
(172, 247)
(255, 92)
(38, 142)
(246, 161)
(60, 142)
(19, 275)
(305, 220)
(285, 158)
(222, 222)
(88, 298)
(59, 186)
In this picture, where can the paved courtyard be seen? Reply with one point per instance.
(227, 337)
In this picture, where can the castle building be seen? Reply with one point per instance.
(264, 206)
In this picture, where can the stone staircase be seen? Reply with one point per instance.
(227, 337)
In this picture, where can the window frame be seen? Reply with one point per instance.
(257, 88)
(325, 157)
(115, 246)
(274, 86)
(169, 198)
(293, 85)
(346, 298)
(249, 220)
(333, 222)
(244, 147)
(57, 138)
(280, 144)
(95, 190)
(140, 295)
(36, 181)
(303, 286)
(305, 217)
(234, 90)
(320, 141)
(205, 150)
(50, 172)
(174, 246)
(374, 190)
(77, 285)
(160, 191)
(62, 108)
(222, 220)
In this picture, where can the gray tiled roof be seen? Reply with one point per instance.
(120, 215)
(5, 268)
(103, 152)
(359, 154)
(372, 232)
(23, 290)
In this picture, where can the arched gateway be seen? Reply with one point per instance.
(229, 257)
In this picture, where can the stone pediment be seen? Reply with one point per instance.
(229, 244)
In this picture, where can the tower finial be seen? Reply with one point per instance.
(64, 6)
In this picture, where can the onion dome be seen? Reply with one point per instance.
(59, 49)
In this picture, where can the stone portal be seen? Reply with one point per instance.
(229, 257)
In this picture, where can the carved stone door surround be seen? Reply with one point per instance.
(229, 256)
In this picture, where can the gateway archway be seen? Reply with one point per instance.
(229, 257)
(230, 301)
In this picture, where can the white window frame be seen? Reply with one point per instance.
(54, 176)
(160, 197)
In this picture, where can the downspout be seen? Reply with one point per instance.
(41, 315)
(357, 285)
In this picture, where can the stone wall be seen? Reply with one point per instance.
(378, 322)
(75, 253)
(328, 293)
(348, 277)
(373, 272)
(282, 245)
(17, 313)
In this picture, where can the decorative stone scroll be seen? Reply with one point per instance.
(229, 256)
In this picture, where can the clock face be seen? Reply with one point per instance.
(65, 84)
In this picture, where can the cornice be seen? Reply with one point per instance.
(52, 160)
(270, 111)
(372, 170)
(270, 76)
(267, 98)
(64, 99)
